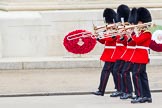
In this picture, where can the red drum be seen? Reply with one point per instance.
(79, 42)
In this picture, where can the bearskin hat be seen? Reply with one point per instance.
(143, 15)
(109, 15)
(133, 16)
(123, 12)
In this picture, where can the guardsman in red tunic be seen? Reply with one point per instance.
(110, 45)
(122, 12)
(141, 58)
(127, 83)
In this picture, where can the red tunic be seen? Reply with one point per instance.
(142, 45)
(128, 54)
(110, 45)
(155, 46)
(120, 48)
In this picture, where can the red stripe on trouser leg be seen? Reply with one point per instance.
(138, 88)
(119, 76)
(125, 78)
(103, 85)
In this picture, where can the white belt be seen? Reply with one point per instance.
(110, 47)
(142, 47)
(118, 44)
(131, 47)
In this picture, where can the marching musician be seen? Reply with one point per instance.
(109, 17)
(122, 12)
(127, 55)
(140, 58)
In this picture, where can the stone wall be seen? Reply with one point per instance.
(41, 33)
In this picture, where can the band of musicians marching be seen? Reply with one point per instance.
(127, 39)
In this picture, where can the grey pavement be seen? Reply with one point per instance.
(68, 88)
(76, 101)
(38, 82)
(83, 61)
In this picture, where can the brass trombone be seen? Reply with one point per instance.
(149, 24)
(126, 25)
(80, 35)
(112, 28)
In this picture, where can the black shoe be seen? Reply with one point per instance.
(116, 94)
(126, 96)
(133, 97)
(137, 100)
(146, 99)
(99, 93)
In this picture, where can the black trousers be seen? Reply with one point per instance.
(107, 69)
(140, 80)
(117, 74)
(127, 83)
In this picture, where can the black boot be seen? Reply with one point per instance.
(146, 99)
(137, 100)
(126, 96)
(99, 93)
(116, 94)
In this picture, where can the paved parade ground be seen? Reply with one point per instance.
(62, 76)
(76, 101)
(63, 81)
(67, 88)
